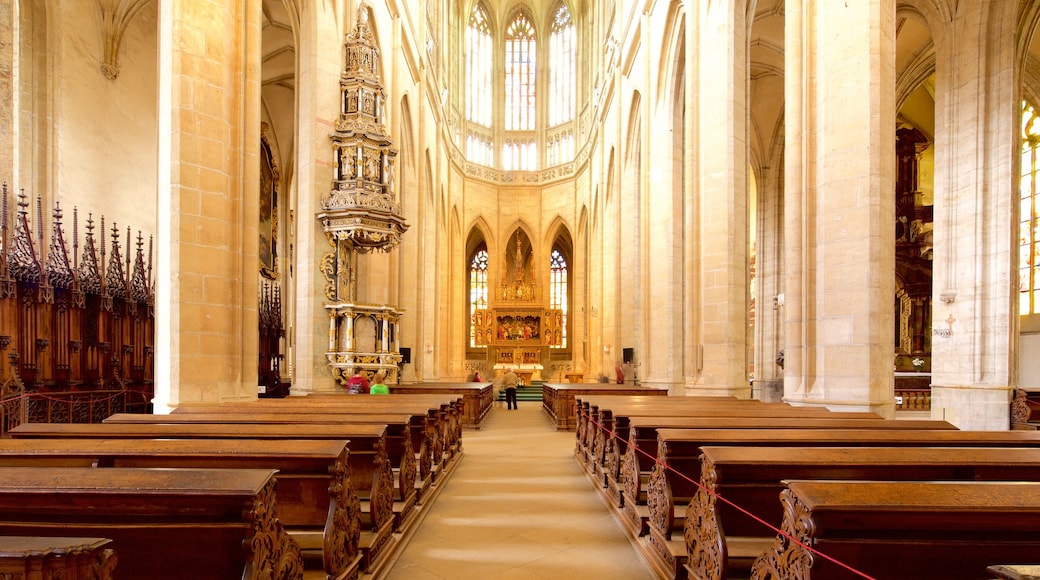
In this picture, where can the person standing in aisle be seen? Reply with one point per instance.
(510, 380)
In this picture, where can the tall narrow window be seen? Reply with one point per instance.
(1029, 227)
(558, 291)
(520, 75)
(478, 67)
(561, 67)
(478, 290)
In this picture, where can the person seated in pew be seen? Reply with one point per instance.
(357, 384)
(378, 386)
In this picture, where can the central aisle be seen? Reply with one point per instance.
(518, 506)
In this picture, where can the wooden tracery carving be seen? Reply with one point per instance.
(76, 326)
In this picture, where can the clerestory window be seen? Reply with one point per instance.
(531, 123)
(1029, 226)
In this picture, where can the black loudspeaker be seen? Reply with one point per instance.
(406, 355)
(628, 355)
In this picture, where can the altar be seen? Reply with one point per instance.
(516, 327)
(526, 373)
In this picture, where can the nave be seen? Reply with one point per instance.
(518, 506)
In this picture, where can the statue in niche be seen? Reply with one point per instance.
(517, 285)
(372, 168)
(351, 165)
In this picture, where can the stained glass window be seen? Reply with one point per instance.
(1029, 227)
(558, 289)
(561, 68)
(520, 75)
(478, 289)
(478, 67)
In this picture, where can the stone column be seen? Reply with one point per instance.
(839, 203)
(974, 321)
(7, 93)
(320, 57)
(716, 240)
(209, 137)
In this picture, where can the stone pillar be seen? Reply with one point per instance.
(974, 321)
(320, 57)
(839, 203)
(209, 138)
(716, 240)
(7, 93)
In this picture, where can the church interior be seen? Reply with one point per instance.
(224, 202)
(730, 199)
(724, 199)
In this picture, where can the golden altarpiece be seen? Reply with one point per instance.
(360, 215)
(517, 328)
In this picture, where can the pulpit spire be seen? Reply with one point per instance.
(362, 211)
(360, 214)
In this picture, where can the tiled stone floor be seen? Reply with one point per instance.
(518, 507)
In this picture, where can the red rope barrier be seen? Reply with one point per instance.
(613, 435)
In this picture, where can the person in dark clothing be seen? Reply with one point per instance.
(510, 380)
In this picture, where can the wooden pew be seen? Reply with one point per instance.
(443, 431)
(602, 452)
(720, 539)
(949, 530)
(164, 523)
(477, 398)
(413, 471)
(623, 476)
(1025, 410)
(680, 449)
(558, 399)
(316, 501)
(1015, 571)
(54, 558)
(445, 409)
(638, 464)
(368, 465)
(602, 414)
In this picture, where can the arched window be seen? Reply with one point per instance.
(520, 75)
(478, 291)
(561, 68)
(479, 53)
(558, 290)
(1029, 227)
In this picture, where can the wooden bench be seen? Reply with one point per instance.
(1025, 410)
(163, 523)
(56, 558)
(721, 539)
(412, 468)
(316, 501)
(638, 465)
(444, 410)
(680, 449)
(558, 399)
(603, 415)
(607, 443)
(595, 419)
(949, 530)
(1015, 572)
(442, 430)
(369, 468)
(477, 398)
